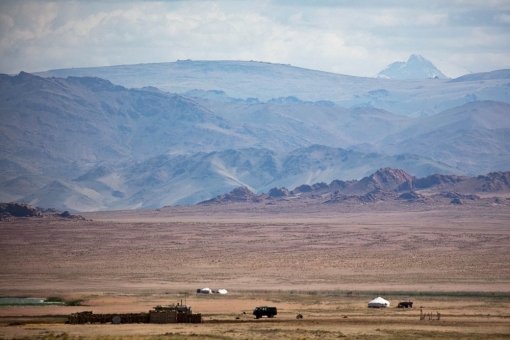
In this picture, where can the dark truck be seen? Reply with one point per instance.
(405, 304)
(264, 310)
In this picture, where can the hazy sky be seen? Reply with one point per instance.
(350, 37)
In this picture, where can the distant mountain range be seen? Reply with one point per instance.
(416, 67)
(249, 80)
(85, 143)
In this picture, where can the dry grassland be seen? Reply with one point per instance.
(301, 258)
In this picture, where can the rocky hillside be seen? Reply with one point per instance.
(384, 184)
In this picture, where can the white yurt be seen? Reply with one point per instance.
(378, 302)
(222, 291)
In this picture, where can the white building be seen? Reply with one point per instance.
(378, 302)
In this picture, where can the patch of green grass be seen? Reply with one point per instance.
(77, 302)
(54, 299)
(39, 302)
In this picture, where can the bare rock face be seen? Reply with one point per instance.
(495, 181)
(320, 186)
(338, 184)
(241, 194)
(302, 188)
(67, 214)
(386, 179)
(278, 192)
(305, 188)
(438, 181)
(18, 210)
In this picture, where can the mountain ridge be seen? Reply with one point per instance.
(385, 183)
(265, 81)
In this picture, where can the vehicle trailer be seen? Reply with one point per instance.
(259, 312)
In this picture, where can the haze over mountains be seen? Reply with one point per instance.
(86, 143)
(264, 81)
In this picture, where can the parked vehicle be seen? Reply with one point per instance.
(259, 312)
(405, 304)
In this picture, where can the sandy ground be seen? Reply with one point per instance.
(324, 317)
(302, 258)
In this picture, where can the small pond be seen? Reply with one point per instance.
(29, 302)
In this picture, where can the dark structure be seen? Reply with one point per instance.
(89, 317)
(405, 304)
(264, 311)
(174, 314)
(160, 314)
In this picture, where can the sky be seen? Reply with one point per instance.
(349, 37)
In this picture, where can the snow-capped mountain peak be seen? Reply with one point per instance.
(416, 67)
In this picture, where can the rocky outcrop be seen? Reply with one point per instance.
(456, 201)
(495, 181)
(498, 200)
(387, 179)
(302, 189)
(410, 196)
(67, 214)
(385, 184)
(377, 195)
(320, 186)
(18, 210)
(373, 196)
(314, 188)
(278, 192)
(437, 180)
(338, 184)
(452, 194)
(238, 195)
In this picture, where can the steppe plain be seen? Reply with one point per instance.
(324, 261)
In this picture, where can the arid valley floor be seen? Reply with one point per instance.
(322, 261)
